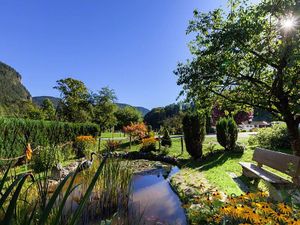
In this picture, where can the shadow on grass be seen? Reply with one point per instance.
(210, 160)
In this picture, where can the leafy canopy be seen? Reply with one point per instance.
(245, 56)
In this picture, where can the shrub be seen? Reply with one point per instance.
(274, 138)
(194, 133)
(112, 145)
(166, 139)
(83, 145)
(227, 133)
(148, 145)
(46, 158)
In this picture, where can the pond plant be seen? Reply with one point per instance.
(28, 202)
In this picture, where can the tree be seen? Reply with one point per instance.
(166, 140)
(74, 105)
(227, 133)
(194, 133)
(248, 56)
(104, 108)
(136, 131)
(48, 109)
(127, 115)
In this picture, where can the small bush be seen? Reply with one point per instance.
(148, 145)
(46, 158)
(194, 133)
(239, 148)
(274, 138)
(166, 139)
(227, 133)
(112, 145)
(83, 145)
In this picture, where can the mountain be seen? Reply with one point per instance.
(38, 100)
(13, 93)
(143, 110)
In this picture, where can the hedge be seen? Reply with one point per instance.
(16, 133)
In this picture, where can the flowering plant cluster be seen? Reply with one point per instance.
(250, 208)
(83, 145)
(86, 139)
(148, 144)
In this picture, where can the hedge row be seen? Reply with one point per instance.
(16, 133)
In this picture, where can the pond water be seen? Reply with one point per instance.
(154, 199)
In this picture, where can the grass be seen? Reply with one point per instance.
(112, 135)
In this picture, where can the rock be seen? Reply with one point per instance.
(52, 185)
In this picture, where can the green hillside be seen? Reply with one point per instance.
(14, 96)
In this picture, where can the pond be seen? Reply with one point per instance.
(151, 200)
(155, 200)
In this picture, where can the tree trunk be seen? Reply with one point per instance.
(99, 142)
(293, 130)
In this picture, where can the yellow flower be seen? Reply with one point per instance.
(28, 152)
(284, 208)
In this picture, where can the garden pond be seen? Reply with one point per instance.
(141, 196)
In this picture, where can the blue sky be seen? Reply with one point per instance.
(132, 46)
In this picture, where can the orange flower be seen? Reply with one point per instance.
(28, 152)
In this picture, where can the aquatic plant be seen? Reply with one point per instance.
(18, 209)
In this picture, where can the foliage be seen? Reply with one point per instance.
(17, 209)
(112, 145)
(194, 133)
(227, 133)
(247, 59)
(83, 145)
(174, 123)
(250, 208)
(274, 138)
(166, 139)
(157, 116)
(74, 100)
(127, 115)
(46, 158)
(136, 130)
(48, 109)
(240, 115)
(148, 144)
(104, 109)
(15, 134)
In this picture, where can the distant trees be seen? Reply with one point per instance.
(165, 116)
(127, 115)
(48, 109)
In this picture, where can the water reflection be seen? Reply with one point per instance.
(155, 199)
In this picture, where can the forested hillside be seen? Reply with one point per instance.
(14, 96)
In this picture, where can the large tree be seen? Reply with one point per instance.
(127, 115)
(74, 105)
(248, 55)
(104, 108)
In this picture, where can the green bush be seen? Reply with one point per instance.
(46, 158)
(274, 138)
(227, 133)
(194, 133)
(166, 139)
(16, 133)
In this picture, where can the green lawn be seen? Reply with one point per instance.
(112, 135)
